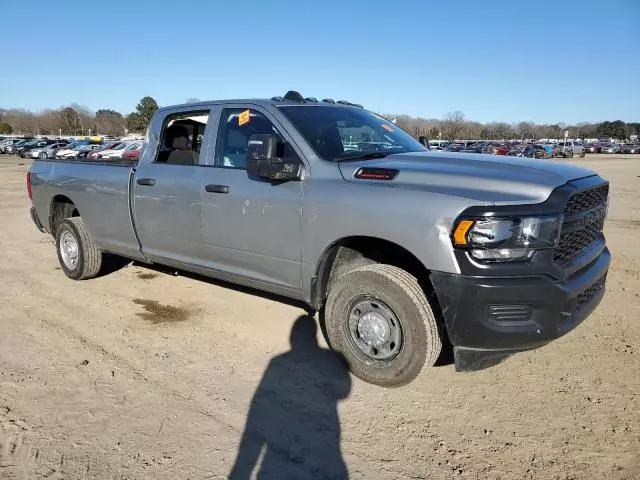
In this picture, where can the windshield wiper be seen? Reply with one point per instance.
(360, 156)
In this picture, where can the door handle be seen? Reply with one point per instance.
(216, 188)
(147, 182)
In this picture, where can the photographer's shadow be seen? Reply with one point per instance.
(293, 419)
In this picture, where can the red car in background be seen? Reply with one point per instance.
(593, 148)
(107, 146)
(133, 154)
(498, 148)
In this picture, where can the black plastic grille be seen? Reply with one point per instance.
(587, 200)
(585, 297)
(572, 243)
(574, 240)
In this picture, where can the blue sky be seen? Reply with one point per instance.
(544, 61)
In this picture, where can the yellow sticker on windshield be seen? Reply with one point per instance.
(244, 117)
(386, 127)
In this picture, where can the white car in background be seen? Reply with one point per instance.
(47, 151)
(113, 152)
(74, 152)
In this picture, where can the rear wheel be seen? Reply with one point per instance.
(378, 317)
(79, 256)
(42, 156)
(582, 154)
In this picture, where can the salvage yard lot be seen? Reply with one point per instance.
(143, 374)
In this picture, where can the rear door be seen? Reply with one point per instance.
(251, 226)
(167, 187)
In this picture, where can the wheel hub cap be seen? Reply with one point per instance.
(374, 329)
(69, 250)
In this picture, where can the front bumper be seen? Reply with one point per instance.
(491, 318)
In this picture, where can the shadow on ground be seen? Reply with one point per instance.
(292, 429)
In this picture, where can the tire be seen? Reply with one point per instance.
(395, 292)
(582, 154)
(88, 257)
(43, 156)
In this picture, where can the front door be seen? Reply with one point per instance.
(167, 191)
(251, 227)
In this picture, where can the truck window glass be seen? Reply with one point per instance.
(181, 138)
(335, 131)
(236, 127)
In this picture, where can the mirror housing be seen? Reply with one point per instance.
(265, 159)
(424, 141)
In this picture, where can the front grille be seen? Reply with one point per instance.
(587, 200)
(580, 231)
(585, 297)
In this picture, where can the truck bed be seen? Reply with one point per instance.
(100, 192)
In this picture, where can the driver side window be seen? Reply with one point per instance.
(236, 127)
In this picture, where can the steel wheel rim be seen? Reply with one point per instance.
(374, 329)
(69, 250)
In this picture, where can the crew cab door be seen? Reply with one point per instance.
(251, 226)
(166, 202)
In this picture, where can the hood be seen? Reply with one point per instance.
(485, 178)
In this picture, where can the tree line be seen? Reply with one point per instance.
(77, 120)
(454, 125)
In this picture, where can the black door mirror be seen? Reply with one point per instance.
(424, 141)
(266, 159)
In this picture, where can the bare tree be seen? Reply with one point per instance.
(453, 124)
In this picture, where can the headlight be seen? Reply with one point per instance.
(496, 239)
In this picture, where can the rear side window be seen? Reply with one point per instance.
(236, 127)
(181, 138)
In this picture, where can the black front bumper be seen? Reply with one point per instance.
(491, 318)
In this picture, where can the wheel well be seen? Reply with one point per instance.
(354, 252)
(61, 207)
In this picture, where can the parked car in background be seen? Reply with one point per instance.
(570, 149)
(10, 149)
(69, 150)
(133, 151)
(87, 149)
(523, 150)
(455, 147)
(48, 151)
(106, 146)
(499, 148)
(477, 147)
(115, 152)
(8, 144)
(610, 148)
(541, 151)
(593, 148)
(630, 148)
(23, 150)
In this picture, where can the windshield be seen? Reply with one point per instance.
(340, 132)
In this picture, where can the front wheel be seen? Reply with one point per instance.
(582, 154)
(79, 256)
(379, 318)
(43, 156)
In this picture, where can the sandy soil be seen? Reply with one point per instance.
(143, 374)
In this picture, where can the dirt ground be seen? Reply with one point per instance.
(143, 374)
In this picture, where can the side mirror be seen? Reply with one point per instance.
(424, 141)
(266, 159)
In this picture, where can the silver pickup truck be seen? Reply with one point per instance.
(400, 250)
